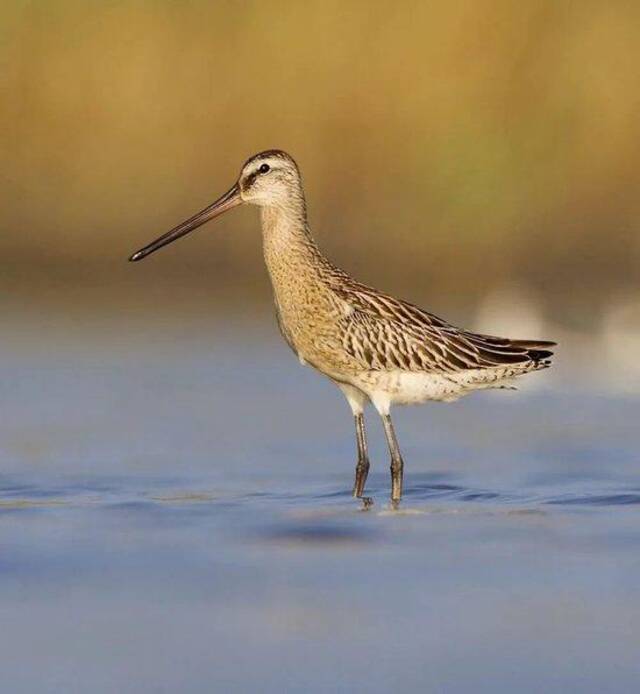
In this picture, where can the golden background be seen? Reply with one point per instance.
(448, 149)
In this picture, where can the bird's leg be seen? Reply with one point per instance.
(357, 401)
(397, 464)
(362, 466)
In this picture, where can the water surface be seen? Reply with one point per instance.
(177, 517)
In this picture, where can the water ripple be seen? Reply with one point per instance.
(135, 494)
(619, 499)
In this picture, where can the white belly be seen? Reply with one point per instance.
(409, 388)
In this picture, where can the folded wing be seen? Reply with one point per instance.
(385, 333)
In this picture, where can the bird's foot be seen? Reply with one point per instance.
(367, 502)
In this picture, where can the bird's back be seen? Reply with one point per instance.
(386, 334)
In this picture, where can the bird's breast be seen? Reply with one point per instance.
(309, 322)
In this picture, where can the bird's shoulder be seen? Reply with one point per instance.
(383, 307)
(388, 333)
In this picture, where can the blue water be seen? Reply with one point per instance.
(175, 516)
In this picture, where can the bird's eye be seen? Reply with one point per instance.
(264, 168)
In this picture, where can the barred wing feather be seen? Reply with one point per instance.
(385, 333)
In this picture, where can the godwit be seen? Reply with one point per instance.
(374, 347)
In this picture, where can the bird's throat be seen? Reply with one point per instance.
(291, 256)
(285, 234)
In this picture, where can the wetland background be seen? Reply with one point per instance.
(174, 507)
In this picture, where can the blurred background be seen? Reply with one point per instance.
(480, 159)
(175, 509)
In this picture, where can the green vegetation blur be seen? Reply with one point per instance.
(448, 148)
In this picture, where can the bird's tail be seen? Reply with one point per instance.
(537, 350)
(503, 350)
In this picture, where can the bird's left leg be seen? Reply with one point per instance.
(383, 405)
(357, 401)
(397, 464)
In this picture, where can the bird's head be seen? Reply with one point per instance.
(268, 179)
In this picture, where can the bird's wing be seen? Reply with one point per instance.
(387, 333)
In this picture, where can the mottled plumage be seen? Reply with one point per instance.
(375, 347)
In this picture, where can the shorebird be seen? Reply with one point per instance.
(376, 348)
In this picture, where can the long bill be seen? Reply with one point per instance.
(229, 200)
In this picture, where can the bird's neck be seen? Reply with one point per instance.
(287, 241)
(296, 267)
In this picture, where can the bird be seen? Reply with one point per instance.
(376, 348)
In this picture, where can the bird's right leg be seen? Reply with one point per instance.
(357, 401)
(362, 466)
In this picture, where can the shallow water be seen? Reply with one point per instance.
(175, 516)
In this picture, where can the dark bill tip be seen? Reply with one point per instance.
(229, 200)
